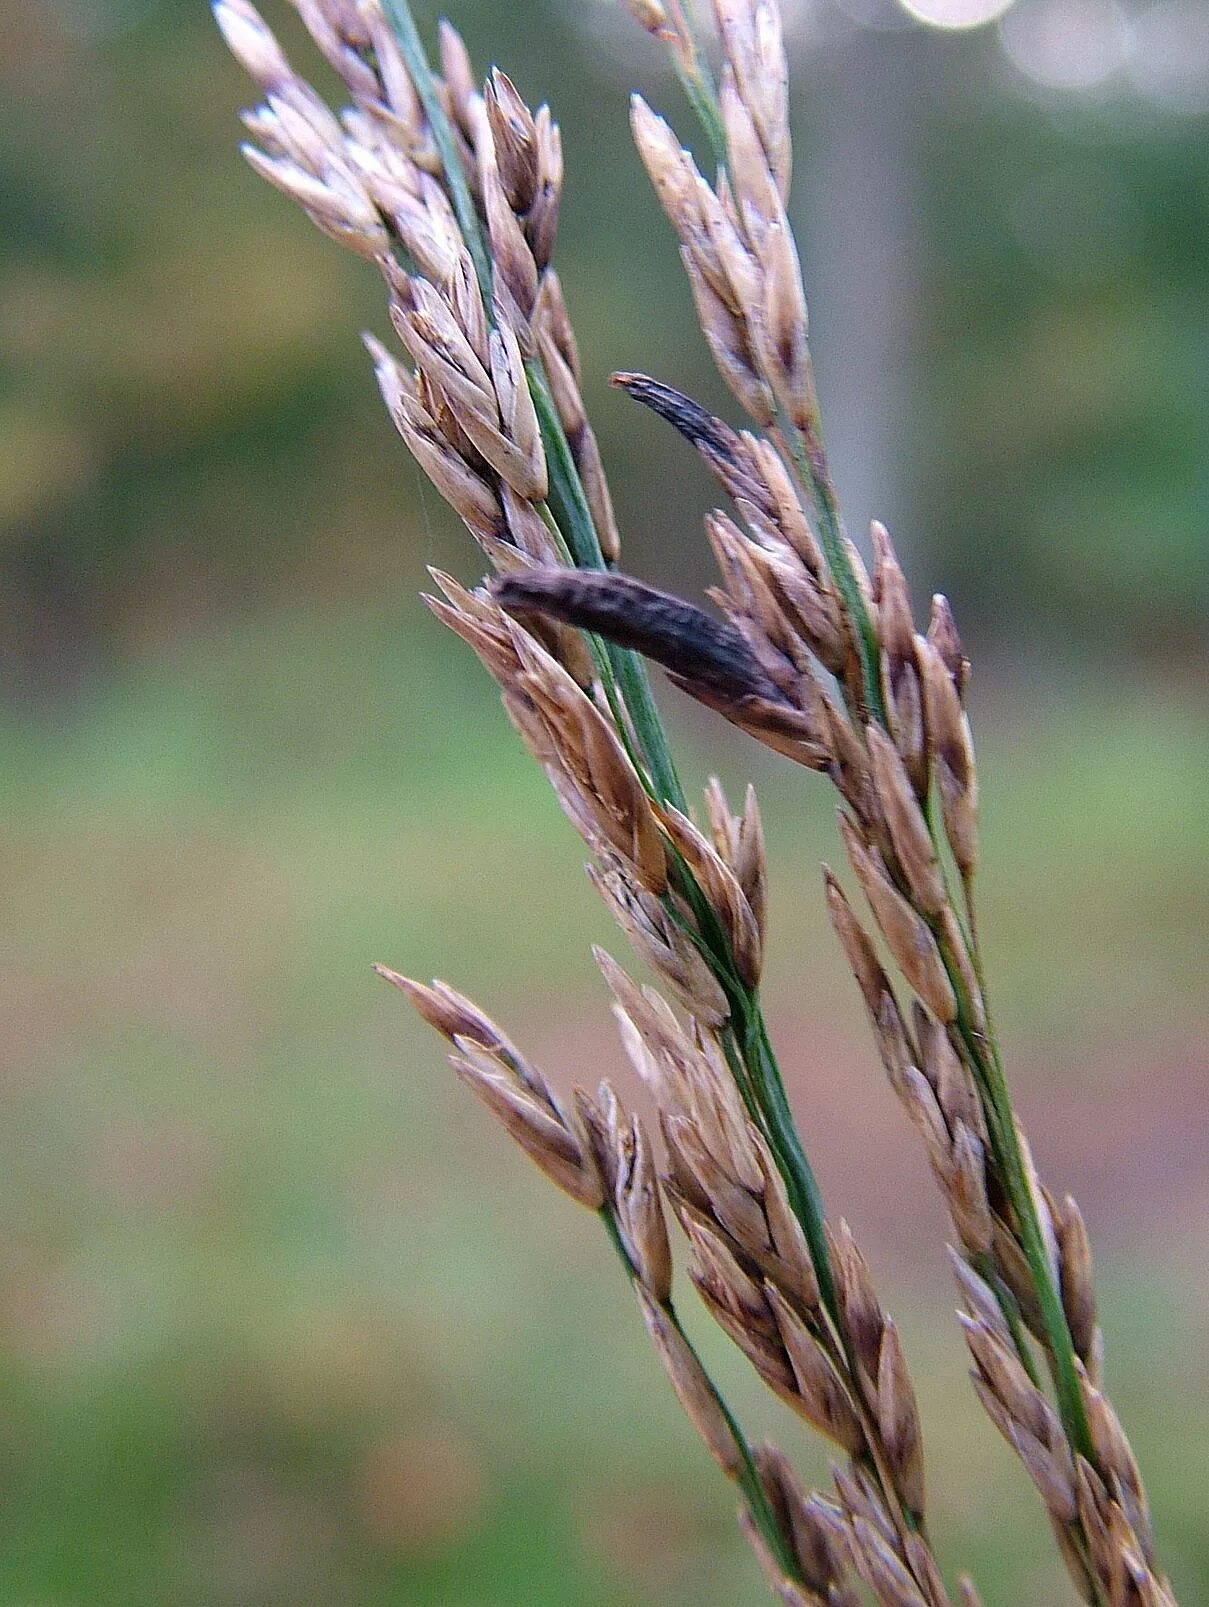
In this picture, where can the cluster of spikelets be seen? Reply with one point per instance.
(452, 191)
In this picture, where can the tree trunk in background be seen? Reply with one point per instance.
(857, 217)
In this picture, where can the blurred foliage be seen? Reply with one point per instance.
(189, 425)
(281, 1317)
(1069, 324)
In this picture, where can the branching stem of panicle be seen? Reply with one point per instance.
(757, 1075)
(982, 1050)
(623, 671)
(748, 1480)
(757, 1072)
(753, 1064)
(569, 506)
(696, 79)
(810, 461)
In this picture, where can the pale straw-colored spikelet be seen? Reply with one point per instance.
(910, 839)
(719, 1168)
(661, 941)
(902, 688)
(736, 243)
(1100, 1514)
(757, 79)
(306, 156)
(1078, 1285)
(520, 175)
(723, 275)
(454, 467)
(897, 1567)
(627, 1169)
(565, 729)
(880, 1372)
(752, 1268)
(750, 602)
(930, 1079)
(739, 841)
(823, 1563)
(907, 934)
(550, 1132)
(896, 1051)
(722, 887)
(376, 172)
(1026, 1419)
(693, 1389)
(480, 373)
(341, 30)
(952, 753)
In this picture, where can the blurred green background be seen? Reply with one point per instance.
(282, 1317)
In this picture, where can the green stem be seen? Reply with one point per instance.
(982, 1049)
(748, 1479)
(1063, 1365)
(570, 508)
(805, 1195)
(403, 26)
(984, 1266)
(807, 453)
(758, 1076)
(697, 81)
(699, 91)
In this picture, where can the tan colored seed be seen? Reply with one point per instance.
(906, 934)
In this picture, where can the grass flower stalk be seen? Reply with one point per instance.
(451, 190)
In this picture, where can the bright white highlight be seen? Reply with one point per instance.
(955, 13)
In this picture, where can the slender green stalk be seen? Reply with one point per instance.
(697, 90)
(570, 508)
(697, 81)
(806, 450)
(747, 1041)
(983, 1049)
(805, 1196)
(403, 26)
(748, 1479)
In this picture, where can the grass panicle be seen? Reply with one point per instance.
(451, 189)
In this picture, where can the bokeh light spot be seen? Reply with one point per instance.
(955, 13)
(1169, 55)
(1066, 44)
